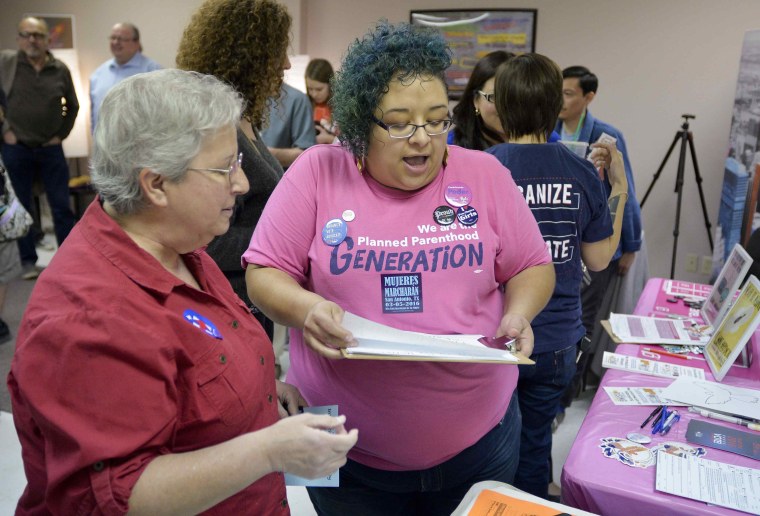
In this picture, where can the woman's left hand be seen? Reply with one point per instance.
(517, 327)
(289, 399)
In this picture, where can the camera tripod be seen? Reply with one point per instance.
(685, 136)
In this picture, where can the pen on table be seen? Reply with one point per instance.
(654, 413)
(724, 417)
(674, 355)
(672, 420)
(658, 423)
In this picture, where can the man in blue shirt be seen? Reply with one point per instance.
(127, 61)
(291, 125)
(576, 123)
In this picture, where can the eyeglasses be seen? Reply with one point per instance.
(488, 96)
(33, 35)
(224, 171)
(119, 39)
(432, 128)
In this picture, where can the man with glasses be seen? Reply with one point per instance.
(128, 60)
(42, 108)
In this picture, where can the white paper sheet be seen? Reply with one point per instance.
(379, 339)
(657, 330)
(650, 367)
(331, 480)
(709, 481)
(715, 396)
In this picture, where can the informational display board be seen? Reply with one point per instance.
(473, 33)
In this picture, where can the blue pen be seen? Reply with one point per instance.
(660, 421)
(673, 419)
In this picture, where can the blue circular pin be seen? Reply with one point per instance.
(467, 215)
(334, 232)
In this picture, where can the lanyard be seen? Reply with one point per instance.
(577, 132)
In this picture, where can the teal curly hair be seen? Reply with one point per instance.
(388, 52)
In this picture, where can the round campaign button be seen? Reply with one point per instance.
(467, 215)
(458, 194)
(349, 215)
(444, 215)
(639, 438)
(334, 232)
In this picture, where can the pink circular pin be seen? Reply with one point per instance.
(458, 194)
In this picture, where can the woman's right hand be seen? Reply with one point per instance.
(302, 446)
(323, 332)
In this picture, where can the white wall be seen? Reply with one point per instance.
(655, 60)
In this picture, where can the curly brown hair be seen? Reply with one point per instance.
(242, 42)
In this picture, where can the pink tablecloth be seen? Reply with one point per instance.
(595, 483)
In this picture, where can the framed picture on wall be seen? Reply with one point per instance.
(61, 28)
(473, 33)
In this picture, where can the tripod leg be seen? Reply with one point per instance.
(659, 170)
(679, 190)
(699, 186)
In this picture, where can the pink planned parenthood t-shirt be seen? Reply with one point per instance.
(430, 261)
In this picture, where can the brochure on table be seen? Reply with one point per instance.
(650, 367)
(728, 341)
(490, 498)
(380, 342)
(728, 282)
(635, 329)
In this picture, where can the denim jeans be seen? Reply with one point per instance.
(23, 164)
(437, 490)
(539, 390)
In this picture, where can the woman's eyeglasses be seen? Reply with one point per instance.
(488, 96)
(224, 171)
(432, 128)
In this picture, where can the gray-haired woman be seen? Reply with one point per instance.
(140, 383)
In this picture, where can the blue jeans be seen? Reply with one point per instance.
(539, 390)
(23, 164)
(437, 490)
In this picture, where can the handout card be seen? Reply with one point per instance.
(724, 438)
(735, 330)
(728, 282)
(637, 396)
(650, 367)
(331, 480)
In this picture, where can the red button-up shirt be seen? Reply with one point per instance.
(117, 362)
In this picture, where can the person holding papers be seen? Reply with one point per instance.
(577, 221)
(140, 383)
(398, 228)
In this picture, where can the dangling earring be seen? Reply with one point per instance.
(360, 164)
(445, 155)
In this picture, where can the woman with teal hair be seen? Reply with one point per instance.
(395, 227)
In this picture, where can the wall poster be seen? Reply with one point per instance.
(473, 33)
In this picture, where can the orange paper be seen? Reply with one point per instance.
(491, 503)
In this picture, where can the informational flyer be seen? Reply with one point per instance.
(635, 329)
(709, 481)
(735, 330)
(728, 282)
(650, 367)
(637, 396)
(686, 289)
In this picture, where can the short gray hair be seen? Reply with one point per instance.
(156, 120)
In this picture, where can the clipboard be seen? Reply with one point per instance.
(380, 342)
